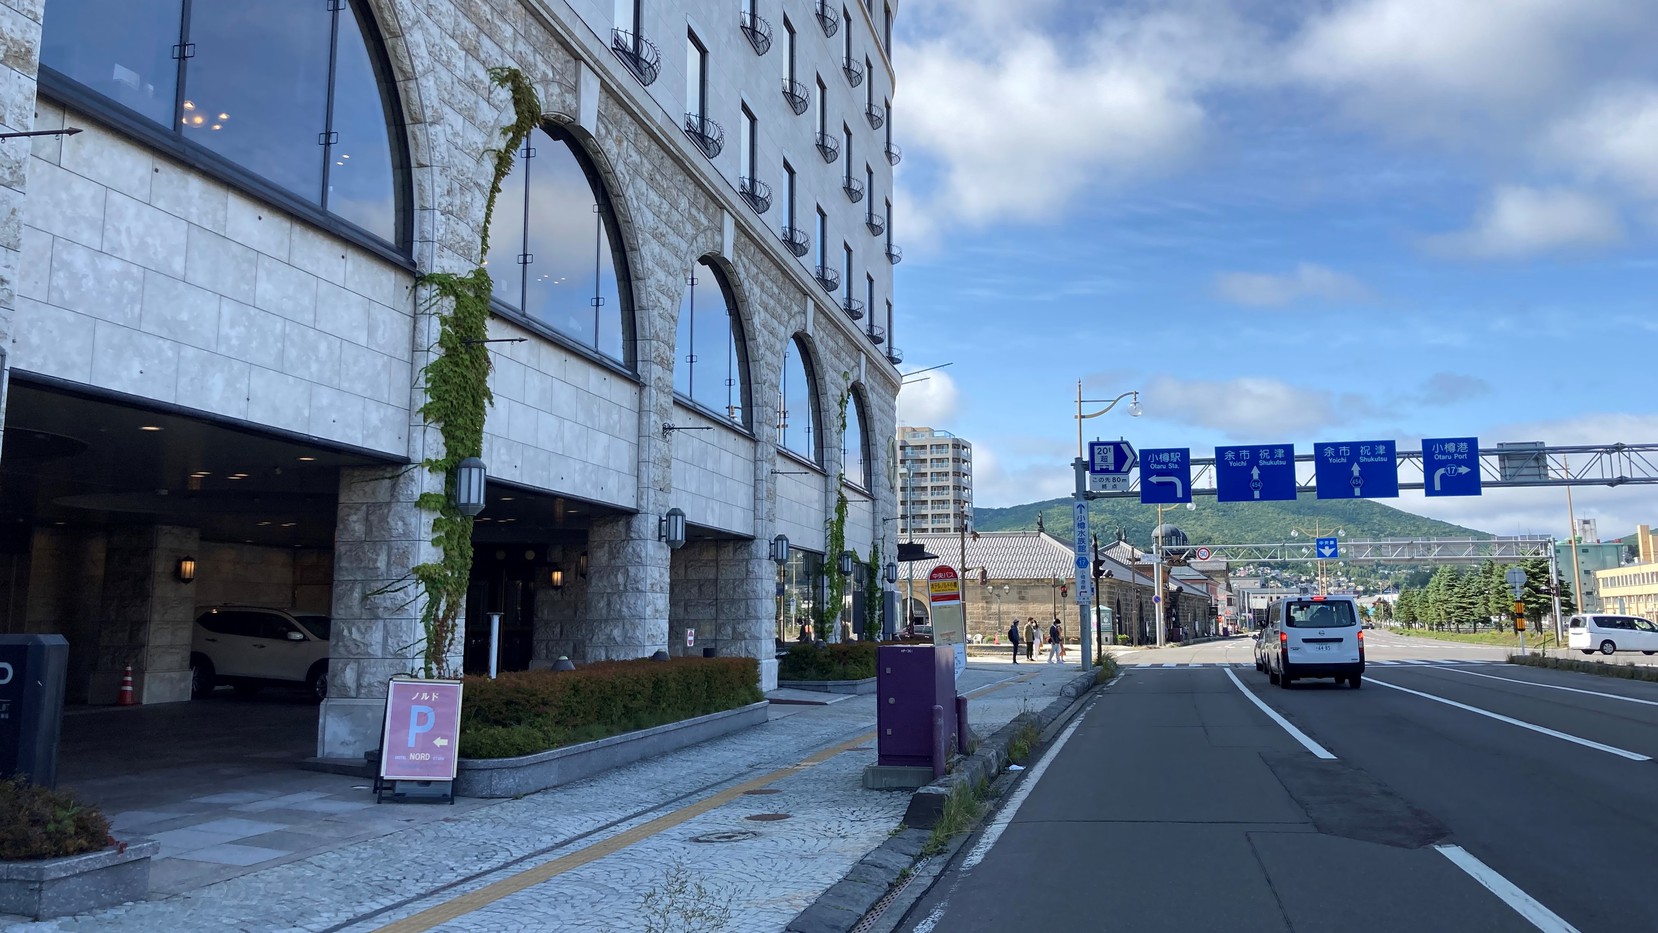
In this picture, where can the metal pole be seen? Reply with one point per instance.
(1577, 572)
(1157, 574)
(494, 642)
(1554, 590)
(1080, 467)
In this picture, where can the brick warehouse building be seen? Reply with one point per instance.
(214, 337)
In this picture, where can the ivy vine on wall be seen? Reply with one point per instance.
(834, 585)
(458, 395)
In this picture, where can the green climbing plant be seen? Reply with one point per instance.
(834, 585)
(458, 395)
(874, 604)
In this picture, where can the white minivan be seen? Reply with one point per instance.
(1313, 636)
(1611, 633)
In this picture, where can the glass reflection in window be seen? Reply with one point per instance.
(857, 465)
(362, 177)
(797, 404)
(802, 594)
(552, 213)
(710, 357)
(122, 49)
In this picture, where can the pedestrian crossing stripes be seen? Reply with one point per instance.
(1435, 662)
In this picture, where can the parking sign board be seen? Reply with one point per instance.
(1258, 473)
(1450, 466)
(1356, 470)
(1165, 475)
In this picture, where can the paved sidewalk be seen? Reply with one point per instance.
(756, 819)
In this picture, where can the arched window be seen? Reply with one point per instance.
(554, 252)
(710, 354)
(297, 95)
(797, 404)
(855, 442)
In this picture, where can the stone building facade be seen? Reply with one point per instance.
(216, 349)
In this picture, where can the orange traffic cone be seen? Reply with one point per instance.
(126, 698)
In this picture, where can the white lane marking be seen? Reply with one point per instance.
(993, 832)
(1523, 904)
(1586, 743)
(926, 926)
(1168, 665)
(1295, 733)
(1530, 683)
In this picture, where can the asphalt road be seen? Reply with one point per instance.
(1175, 802)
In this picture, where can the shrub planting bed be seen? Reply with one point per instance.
(525, 712)
(848, 661)
(39, 822)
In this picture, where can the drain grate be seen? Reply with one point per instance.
(761, 792)
(874, 916)
(730, 835)
(768, 817)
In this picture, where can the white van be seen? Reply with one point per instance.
(1313, 636)
(1610, 633)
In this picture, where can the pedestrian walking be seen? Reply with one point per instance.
(1013, 637)
(1030, 639)
(1054, 642)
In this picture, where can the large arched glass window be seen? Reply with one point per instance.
(294, 94)
(553, 249)
(797, 404)
(710, 355)
(855, 443)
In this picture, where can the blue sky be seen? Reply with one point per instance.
(1282, 221)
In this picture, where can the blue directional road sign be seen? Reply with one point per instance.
(1165, 475)
(1451, 466)
(1264, 473)
(1357, 470)
(1329, 548)
(1110, 457)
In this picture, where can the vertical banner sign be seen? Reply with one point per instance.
(1450, 466)
(1083, 548)
(949, 624)
(423, 730)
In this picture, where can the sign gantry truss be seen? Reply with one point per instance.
(1587, 465)
(1393, 550)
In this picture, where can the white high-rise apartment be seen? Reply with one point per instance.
(936, 490)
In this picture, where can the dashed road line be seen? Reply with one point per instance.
(1296, 734)
(1522, 903)
(1542, 730)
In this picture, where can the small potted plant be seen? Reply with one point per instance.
(57, 856)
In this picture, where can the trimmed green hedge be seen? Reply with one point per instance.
(1601, 668)
(39, 822)
(846, 661)
(525, 712)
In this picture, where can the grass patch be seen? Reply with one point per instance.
(1107, 669)
(1499, 638)
(1025, 739)
(962, 809)
(1598, 668)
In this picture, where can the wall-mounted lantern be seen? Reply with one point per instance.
(845, 565)
(581, 565)
(891, 573)
(780, 550)
(186, 569)
(470, 475)
(555, 578)
(671, 528)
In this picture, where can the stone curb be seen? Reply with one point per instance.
(840, 908)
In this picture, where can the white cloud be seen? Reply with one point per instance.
(1249, 408)
(998, 483)
(1020, 121)
(1520, 221)
(1456, 70)
(1615, 137)
(1307, 282)
(931, 401)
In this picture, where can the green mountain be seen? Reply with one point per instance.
(1226, 522)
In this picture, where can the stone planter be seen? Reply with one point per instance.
(860, 687)
(512, 777)
(56, 887)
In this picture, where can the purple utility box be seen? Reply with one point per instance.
(909, 681)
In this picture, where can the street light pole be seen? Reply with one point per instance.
(1080, 468)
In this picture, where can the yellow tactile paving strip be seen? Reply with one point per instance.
(461, 905)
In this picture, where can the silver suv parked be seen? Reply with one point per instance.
(249, 647)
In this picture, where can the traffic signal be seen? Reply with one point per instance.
(1099, 567)
(1064, 590)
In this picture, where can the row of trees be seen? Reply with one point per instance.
(1454, 597)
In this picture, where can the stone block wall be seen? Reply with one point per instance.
(280, 578)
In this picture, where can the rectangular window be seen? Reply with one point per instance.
(788, 57)
(788, 195)
(889, 224)
(822, 238)
(890, 335)
(886, 28)
(822, 100)
(869, 94)
(846, 42)
(696, 78)
(888, 125)
(846, 137)
(869, 299)
(628, 14)
(745, 151)
(748, 9)
(846, 273)
(869, 182)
